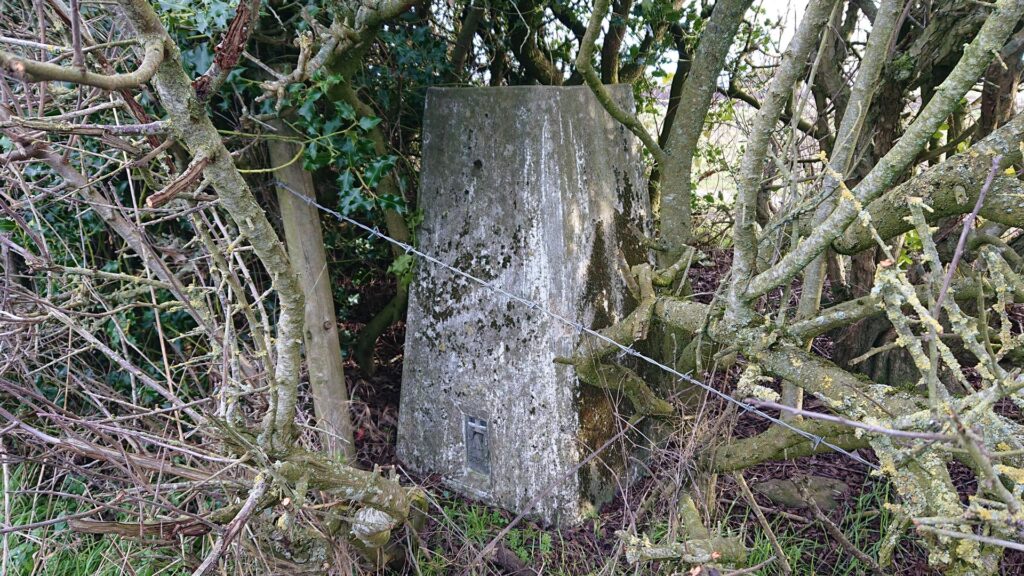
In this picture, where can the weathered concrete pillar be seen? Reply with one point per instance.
(533, 189)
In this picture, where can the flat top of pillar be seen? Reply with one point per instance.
(522, 88)
(498, 98)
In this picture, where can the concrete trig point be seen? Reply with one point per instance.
(533, 189)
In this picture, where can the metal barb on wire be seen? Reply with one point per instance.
(373, 231)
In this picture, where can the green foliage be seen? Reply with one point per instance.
(54, 550)
(530, 544)
(864, 523)
(195, 24)
(476, 521)
(912, 247)
(202, 16)
(467, 522)
(901, 68)
(339, 146)
(402, 268)
(337, 141)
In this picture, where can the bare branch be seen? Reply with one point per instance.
(186, 181)
(76, 35)
(837, 533)
(962, 243)
(259, 488)
(688, 124)
(780, 555)
(932, 437)
(48, 125)
(585, 66)
(752, 166)
(229, 50)
(34, 71)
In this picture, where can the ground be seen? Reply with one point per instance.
(459, 527)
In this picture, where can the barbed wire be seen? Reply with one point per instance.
(533, 305)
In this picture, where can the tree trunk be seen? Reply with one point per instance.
(681, 144)
(306, 250)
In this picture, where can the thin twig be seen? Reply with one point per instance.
(188, 180)
(76, 36)
(259, 488)
(749, 497)
(43, 523)
(837, 533)
(930, 436)
(48, 125)
(751, 569)
(970, 536)
(968, 223)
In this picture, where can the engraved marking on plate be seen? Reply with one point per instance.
(478, 452)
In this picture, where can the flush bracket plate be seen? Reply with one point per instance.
(477, 440)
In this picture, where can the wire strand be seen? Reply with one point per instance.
(533, 305)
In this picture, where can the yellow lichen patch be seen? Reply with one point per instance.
(968, 551)
(1011, 472)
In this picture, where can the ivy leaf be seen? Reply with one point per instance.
(401, 267)
(350, 196)
(393, 201)
(347, 183)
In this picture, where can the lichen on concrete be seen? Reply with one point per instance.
(532, 189)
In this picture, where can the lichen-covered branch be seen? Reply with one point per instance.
(850, 129)
(688, 124)
(33, 71)
(976, 58)
(585, 66)
(615, 377)
(752, 165)
(718, 550)
(949, 188)
(590, 352)
(195, 131)
(778, 443)
(323, 353)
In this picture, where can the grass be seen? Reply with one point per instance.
(460, 529)
(460, 523)
(812, 552)
(55, 550)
